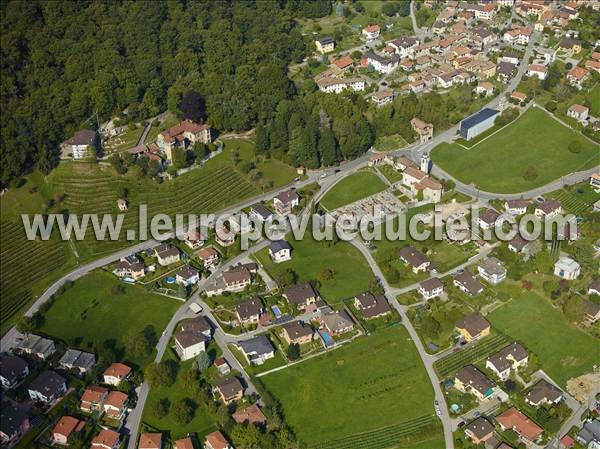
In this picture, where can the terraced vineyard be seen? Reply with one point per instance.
(199, 191)
(478, 351)
(24, 263)
(381, 438)
(572, 204)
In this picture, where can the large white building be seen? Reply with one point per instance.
(337, 85)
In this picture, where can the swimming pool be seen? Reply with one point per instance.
(170, 280)
(327, 339)
(276, 312)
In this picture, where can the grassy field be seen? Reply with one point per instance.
(353, 188)
(374, 382)
(594, 97)
(389, 143)
(563, 349)
(203, 421)
(310, 258)
(104, 318)
(533, 140)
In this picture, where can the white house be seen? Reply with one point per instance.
(256, 350)
(492, 270)
(371, 32)
(513, 356)
(280, 251)
(379, 63)
(47, 387)
(567, 268)
(330, 84)
(191, 337)
(431, 288)
(80, 143)
(578, 112)
(187, 276)
(548, 209)
(537, 70)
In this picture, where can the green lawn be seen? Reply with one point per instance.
(594, 97)
(373, 382)
(389, 143)
(533, 140)
(89, 315)
(563, 349)
(353, 188)
(203, 421)
(310, 258)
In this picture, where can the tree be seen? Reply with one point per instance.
(200, 151)
(141, 343)
(203, 361)
(162, 374)
(552, 78)
(530, 173)
(178, 158)
(193, 106)
(574, 308)
(245, 436)
(223, 416)
(430, 326)
(293, 351)
(575, 147)
(183, 411)
(160, 408)
(543, 262)
(287, 277)
(262, 140)
(327, 147)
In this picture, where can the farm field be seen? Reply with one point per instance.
(451, 363)
(533, 140)
(564, 350)
(105, 318)
(372, 383)
(577, 200)
(351, 273)
(352, 188)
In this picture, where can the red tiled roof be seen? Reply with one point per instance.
(118, 370)
(65, 426)
(514, 419)
(150, 441)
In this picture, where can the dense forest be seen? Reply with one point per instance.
(64, 62)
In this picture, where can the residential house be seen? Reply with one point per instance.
(115, 405)
(286, 201)
(224, 237)
(14, 422)
(412, 256)
(548, 209)
(371, 32)
(570, 46)
(469, 379)
(301, 295)
(130, 267)
(505, 71)
(280, 251)
(543, 392)
(518, 97)
(191, 337)
(184, 443)
(485, 88)
(467, 283)
(343, 63)
(36, 346)
(13, 371)
(513, 356)
(405, 46)
(325, 44)
(372, 305)
(183, 135)
(589, 434)
(216, 440)
(380, 64)
(187, 276)
(579, 112)
(260, 212)
(337, 323)
(412, 176)
(150, 441)
(64, 428)
(487, 219)
(82, 144)
(595, 182)
(537, 70)
(528, 431)
(222, 366)
(230, 390)
(431, 288)
(330, 84)
(47, 387)
(248, 312)
(383, 97)
(423, 130)
(518, 36)
(257, 349)
(516, 207)
(237, 279)
(106, 439)
(594, 287)
(517, 244)
(167, 254)
(122, 205)
(250, 415)
(479, 430)
(593, 64)
(577, 76)
(492, 270)
(92, 399)
(473, 327)
(567, 268)
(209, 257)
(194, 239)
(297, 332)
(116, 373)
